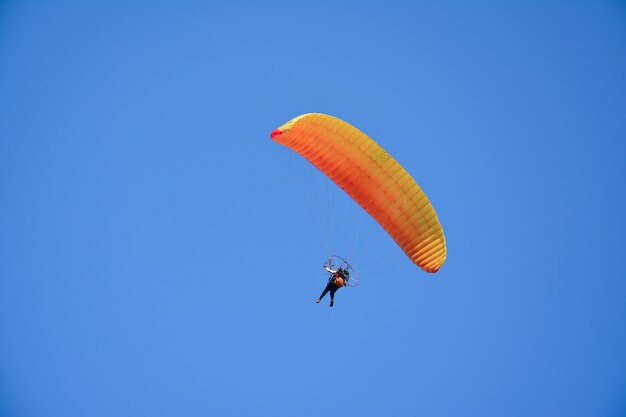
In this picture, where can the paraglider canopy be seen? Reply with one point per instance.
(374, 179)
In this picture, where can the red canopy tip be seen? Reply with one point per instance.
(275, 133)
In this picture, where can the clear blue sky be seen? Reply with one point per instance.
(158, 258)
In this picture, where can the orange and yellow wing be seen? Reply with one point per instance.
(374, 179)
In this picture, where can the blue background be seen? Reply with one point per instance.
(158, 256)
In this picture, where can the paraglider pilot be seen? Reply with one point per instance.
(337, 279)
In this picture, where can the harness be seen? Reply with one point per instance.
(336, 275)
